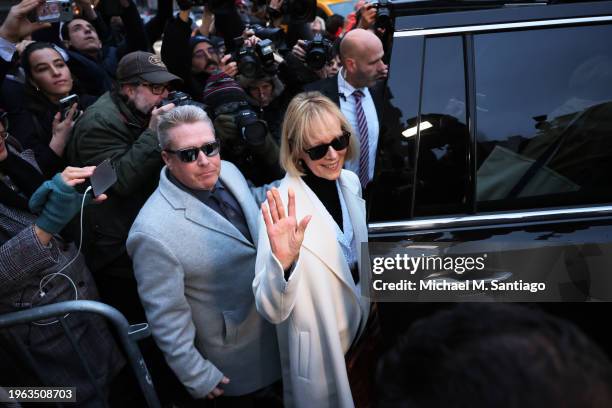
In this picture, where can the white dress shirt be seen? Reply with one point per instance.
(347, 106)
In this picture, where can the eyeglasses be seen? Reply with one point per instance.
(4, 135)
(191, 153)
(156, 89)
(339, 143)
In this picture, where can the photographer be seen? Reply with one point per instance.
(193, 59)
(245, 139)
(93, 54)
(268, 93)
(121, 125)
(309, 61)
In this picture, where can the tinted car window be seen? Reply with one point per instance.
(442, 165)
(391, 189)
(544, 117)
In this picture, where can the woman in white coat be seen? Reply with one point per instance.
(306, 277)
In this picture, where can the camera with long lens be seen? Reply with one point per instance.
(179, 98)
(270, 33)
(299, 11)
(318, 52)
(252, 129)
(383, 13)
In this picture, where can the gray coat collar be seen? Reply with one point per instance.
(199, 213)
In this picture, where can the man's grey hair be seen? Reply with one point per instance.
(179, 116)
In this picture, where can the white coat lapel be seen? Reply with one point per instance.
(320, 238)
(356, 209)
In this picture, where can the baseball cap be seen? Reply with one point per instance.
(144, 66)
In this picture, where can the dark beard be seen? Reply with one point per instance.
(143, 118)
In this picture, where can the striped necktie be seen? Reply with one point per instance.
(364, 147)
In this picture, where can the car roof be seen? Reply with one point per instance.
(424, 14)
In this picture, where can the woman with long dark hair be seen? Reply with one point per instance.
(39, 125)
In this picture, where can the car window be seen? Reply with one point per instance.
(391, 191)
(442, 166)
(544, 117)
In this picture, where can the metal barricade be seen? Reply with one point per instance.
(128, 335)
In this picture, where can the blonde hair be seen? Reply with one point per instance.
(304, 110)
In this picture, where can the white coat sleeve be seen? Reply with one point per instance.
(274, 296)
(161, 288)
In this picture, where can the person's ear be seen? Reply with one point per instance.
(166, 158)
(350, 64)
(34, 85)
(127, 90)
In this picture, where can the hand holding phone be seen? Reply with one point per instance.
(103, 178)
(66, 104)
(52, 11)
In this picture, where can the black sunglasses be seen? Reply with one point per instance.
(340, 143)
(191, 153)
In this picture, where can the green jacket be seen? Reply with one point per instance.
(109, 129)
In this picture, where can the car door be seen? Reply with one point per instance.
(502, 138)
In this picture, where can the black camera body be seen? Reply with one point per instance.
(253, 61)
(252, 129)
(246, 59)
(179, 98)
(265, 52)
(318, 52)
(383, 13)
(270, 33)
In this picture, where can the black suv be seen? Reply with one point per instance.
(499, 131)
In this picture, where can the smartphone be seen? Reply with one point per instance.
(103, 178)
(52, 11)
(65, 105)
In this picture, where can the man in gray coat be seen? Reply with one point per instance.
(193, 246)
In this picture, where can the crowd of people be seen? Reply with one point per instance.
(241, 152)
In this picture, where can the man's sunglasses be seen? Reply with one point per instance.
(191, 154)
(340, 143)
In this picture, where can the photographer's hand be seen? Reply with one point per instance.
(248, 32)
(368, 16)
(299, 50)
(156, 113)
(228, 66)
(227, 131)
(276, 4)
(251, 41)
(16, 25)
